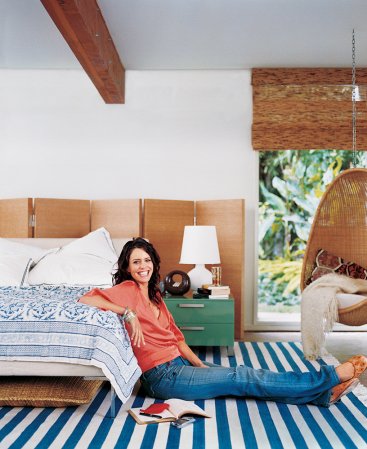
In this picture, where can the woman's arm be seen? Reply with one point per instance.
(187, 353)
(102, 303)
(136, 333)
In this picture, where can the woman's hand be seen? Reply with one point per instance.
(187, 354)
(136, 333)
(202, 365)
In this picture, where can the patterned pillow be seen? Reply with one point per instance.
(329, 263)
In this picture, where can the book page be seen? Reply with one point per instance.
(179, 407)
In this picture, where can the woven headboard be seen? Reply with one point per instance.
(69, 218)
(162, 222)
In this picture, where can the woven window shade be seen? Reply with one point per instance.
(305, 109)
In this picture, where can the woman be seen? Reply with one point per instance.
(170, 368)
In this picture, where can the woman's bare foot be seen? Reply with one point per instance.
(342, 389)
(353, 367)
(345, 371)
(348, 373)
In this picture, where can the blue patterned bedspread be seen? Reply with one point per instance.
(46, 323)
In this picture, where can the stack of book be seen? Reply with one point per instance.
(213, 292)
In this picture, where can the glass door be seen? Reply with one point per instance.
(291, 185)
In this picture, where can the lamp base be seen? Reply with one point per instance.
(199, 276)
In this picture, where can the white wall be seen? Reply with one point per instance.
(180, 135)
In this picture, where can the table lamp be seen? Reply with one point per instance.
(200, 246)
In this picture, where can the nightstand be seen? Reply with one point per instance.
(204, 322)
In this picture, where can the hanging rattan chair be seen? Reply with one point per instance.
(340, 227)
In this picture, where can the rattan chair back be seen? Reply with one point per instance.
(340, 227)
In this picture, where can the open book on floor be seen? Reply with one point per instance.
(169, 410)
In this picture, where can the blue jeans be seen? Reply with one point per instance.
(179, 379)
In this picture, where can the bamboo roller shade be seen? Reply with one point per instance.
(306, 109)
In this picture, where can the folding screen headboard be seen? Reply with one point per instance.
(229, 218)
(68, 218)
(61, 218)
(16, 217)
(122, 218)
(164, 222)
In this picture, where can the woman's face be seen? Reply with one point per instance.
(140, 266)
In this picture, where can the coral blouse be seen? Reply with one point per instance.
(161, 334)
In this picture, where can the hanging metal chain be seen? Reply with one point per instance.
(354, 108)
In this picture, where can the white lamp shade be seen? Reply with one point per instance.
(200, 245)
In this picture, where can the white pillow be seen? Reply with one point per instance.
(89, 260)
(97, 243)
(9, 248)
(72, 269)
(14, 270)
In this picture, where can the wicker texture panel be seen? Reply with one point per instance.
(229, 218)
(122, 217)
(61, 218)
(340, 227)
(307, 109)
(164, 223)
(47, 391)
(355, 315)
(15, 217)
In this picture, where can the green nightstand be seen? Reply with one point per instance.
(204, 322)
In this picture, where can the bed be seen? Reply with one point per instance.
(44, 331)
(40, 220)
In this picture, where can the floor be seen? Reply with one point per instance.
(341, 345)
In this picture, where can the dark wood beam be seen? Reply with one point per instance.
(83, 27)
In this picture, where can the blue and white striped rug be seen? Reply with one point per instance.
(236, 423)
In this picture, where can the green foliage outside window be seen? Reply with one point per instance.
(291, 185)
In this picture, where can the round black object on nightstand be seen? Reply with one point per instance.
(177, 287)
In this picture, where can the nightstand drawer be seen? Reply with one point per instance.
(209, 311)
(207, 334)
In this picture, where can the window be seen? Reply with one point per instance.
(291, 185)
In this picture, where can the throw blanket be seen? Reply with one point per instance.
(46, 323)
(319, 309)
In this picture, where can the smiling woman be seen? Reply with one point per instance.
(172, 370)
(136, 292)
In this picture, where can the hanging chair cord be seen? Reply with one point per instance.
(354, 109)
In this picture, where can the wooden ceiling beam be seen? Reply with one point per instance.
(83, 27)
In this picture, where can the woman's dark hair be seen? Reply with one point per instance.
(122, 273)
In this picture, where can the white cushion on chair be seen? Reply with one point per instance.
(348, 299)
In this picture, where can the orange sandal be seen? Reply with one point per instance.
(342, 389)
(359, 363)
